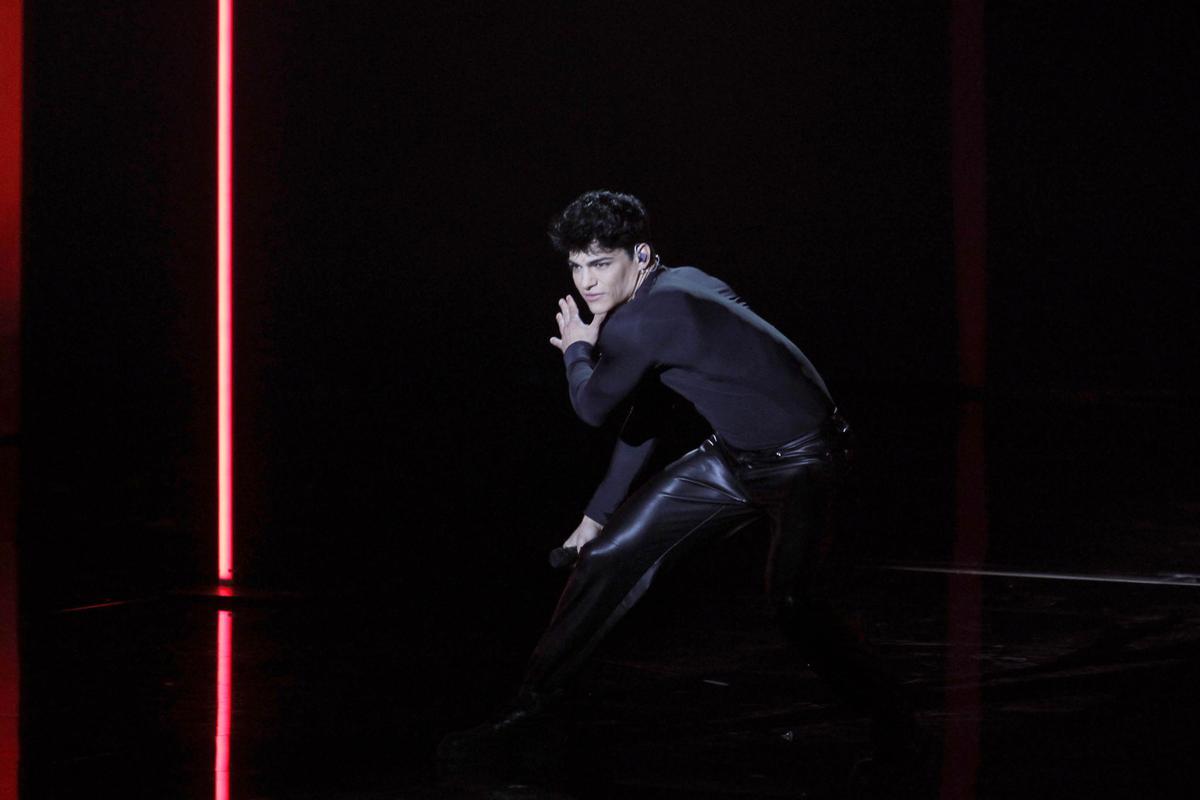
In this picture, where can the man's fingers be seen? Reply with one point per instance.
(577, 540)
(568, 318)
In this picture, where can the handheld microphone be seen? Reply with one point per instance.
(564, 557)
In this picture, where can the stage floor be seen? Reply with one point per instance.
(1070, 668)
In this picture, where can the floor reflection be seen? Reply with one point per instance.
(224, 702)
(10, 673)
(964, 607)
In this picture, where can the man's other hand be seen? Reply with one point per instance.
(571, 328)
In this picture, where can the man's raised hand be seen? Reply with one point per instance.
(571, 328)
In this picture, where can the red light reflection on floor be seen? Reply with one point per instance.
(963, 705)
(10, 674)
(224, 702)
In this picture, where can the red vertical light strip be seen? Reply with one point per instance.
(968, 175)
(11, 57)
(224, 703)
(225, 290)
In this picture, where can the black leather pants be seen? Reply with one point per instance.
(710, 493)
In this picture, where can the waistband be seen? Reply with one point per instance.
(833, 432)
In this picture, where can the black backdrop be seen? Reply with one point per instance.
(401, 419)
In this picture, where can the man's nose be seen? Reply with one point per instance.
(587, 279)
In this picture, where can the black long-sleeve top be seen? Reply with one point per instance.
(689, 332)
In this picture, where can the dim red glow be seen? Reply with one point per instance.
(968, 160)
(965, 608)
(225, 290)
(224, 702)
(968, 176)
(10, 307)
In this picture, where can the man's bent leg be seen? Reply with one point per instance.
(695, 499)
(800, 577)
(799, 582)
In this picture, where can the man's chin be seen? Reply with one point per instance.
(599, 307)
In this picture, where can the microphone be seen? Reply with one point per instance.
(564, 557)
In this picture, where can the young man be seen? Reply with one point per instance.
(777, 452)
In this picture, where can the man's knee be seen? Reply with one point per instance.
(597, 557)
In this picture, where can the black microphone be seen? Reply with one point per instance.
(564, 557)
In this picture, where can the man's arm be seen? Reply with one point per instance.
(600, 383)
(601, 380)
(636, 443)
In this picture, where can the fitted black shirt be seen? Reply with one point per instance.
(689, 332)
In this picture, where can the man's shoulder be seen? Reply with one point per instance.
(679, 288)
(676, 283)
(683, 277)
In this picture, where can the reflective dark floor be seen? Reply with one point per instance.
(1045, 613)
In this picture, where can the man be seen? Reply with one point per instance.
(777, 452)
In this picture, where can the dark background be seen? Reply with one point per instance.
(402, 424)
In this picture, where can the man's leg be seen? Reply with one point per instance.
(694, 500)
(799, 579)
(800, 576)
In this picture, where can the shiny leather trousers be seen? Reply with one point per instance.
(708, 494)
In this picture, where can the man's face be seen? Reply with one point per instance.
(605, 278)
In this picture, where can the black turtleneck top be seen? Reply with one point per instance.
(689, 332)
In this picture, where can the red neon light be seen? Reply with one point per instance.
(224, 703)
(225, 290)
(10, 365)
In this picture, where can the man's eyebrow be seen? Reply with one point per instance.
(591, 262)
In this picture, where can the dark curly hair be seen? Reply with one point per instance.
(609, 219)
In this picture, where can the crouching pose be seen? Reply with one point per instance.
(777, 451)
